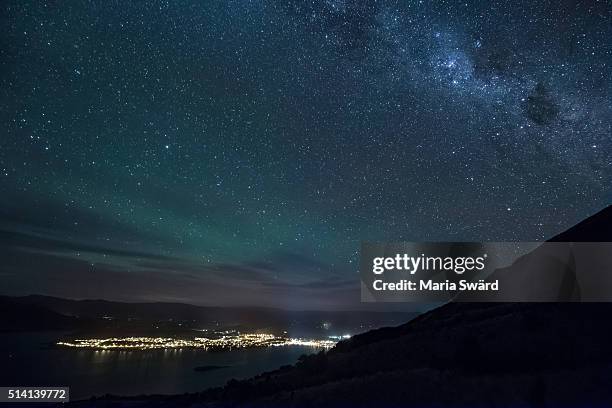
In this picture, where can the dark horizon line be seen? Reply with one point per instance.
(263, 308)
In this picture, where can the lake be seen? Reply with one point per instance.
(28, 359)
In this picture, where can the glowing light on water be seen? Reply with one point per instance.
(225, 341)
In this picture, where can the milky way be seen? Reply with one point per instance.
(237, 152)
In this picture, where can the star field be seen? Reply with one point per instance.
(237, 152)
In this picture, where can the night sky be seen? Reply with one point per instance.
(237, 152)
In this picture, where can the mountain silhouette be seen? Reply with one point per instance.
(109, 317)
(24, 317)
(596, 228)
(571, 267)
(459, 354)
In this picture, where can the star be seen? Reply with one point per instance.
(256, 147)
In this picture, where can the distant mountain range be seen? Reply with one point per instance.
(23, 316)
(36, 312)
(460, 354)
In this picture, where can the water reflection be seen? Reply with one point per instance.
(31, 361)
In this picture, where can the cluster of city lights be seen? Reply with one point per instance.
(239, 340)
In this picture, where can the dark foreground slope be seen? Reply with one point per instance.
(460, 354)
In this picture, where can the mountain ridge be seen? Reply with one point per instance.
(88, 313)
(459, 354)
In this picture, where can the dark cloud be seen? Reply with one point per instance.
(37, 243)
(540, 106)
